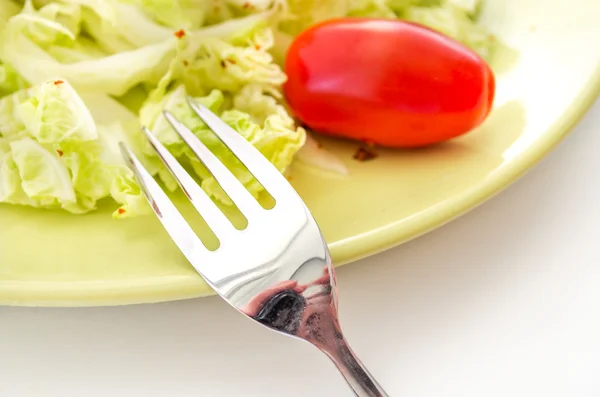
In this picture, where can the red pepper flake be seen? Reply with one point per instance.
(180, 33)
(247, 5)
(257, 47)
(60, 152)
(58, 82)
(363, 154)
(185, 63)
(121, 211)
(319, 145)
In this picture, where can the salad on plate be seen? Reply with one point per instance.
(79, 76)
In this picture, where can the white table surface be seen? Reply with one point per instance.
(504, 301)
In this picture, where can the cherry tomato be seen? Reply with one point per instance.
(387, 82)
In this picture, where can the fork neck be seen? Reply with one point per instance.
(322, 329)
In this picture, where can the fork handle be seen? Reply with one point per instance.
(356, 374)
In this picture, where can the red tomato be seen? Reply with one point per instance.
(388, 82)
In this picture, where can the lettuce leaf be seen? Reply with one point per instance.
(53, 155)
(115, 74)
(55, 113)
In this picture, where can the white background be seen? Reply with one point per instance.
(505, 301)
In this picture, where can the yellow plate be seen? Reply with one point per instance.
(546, 82)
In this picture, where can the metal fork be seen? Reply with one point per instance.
(277, 271)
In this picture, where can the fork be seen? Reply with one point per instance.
(277, 271)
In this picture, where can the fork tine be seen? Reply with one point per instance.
(257, 164)
(213, 216)
(179, 230)
(234, 188)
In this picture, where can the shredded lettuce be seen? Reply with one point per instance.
(54, 155)
(55, 113)
(79, 76)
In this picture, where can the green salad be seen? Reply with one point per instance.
(79, 76)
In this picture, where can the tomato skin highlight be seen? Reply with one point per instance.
(388, 82)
